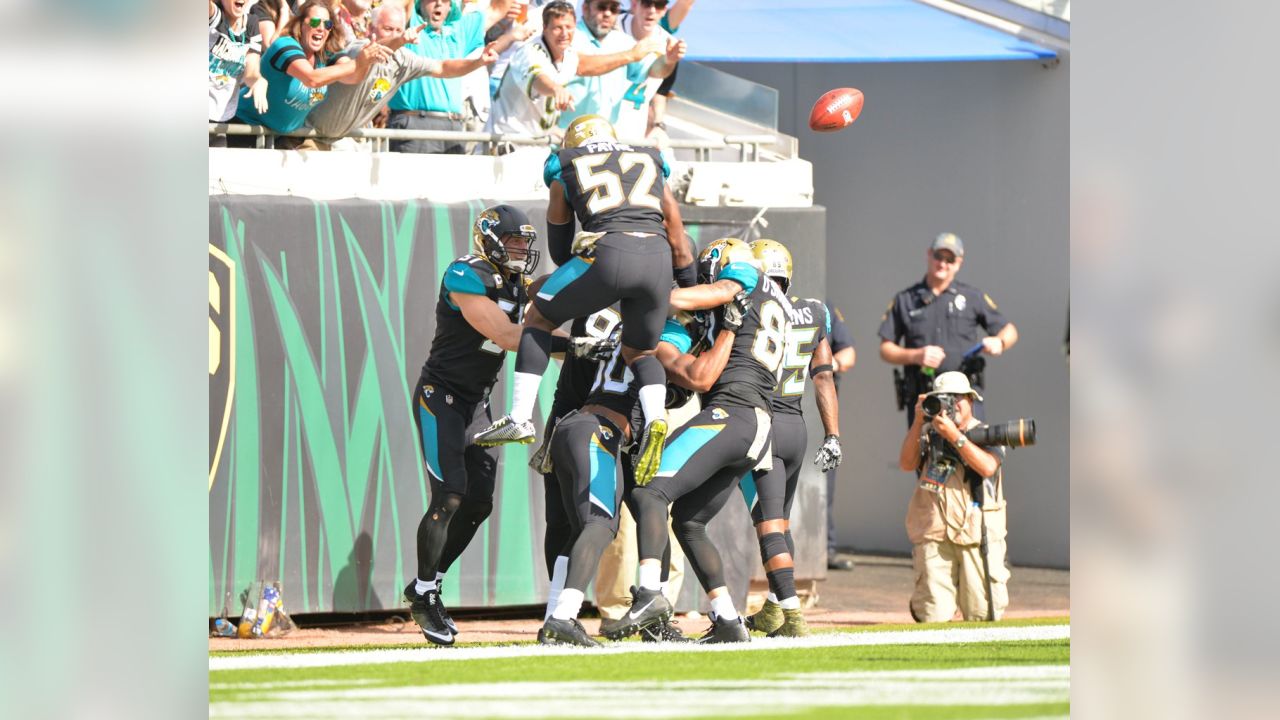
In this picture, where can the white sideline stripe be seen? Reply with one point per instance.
(984, 686)
(834, 639)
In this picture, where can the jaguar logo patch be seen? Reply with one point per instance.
(718, 414)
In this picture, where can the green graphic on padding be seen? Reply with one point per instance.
(320, 484)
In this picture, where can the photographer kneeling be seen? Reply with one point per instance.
(957, 507)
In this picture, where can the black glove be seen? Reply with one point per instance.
(735, 311)
(589, 348)
(686, 276)
(829, 455)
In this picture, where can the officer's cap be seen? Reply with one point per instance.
(948, 241)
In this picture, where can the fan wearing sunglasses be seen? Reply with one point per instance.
(939, 325)
(298, 68)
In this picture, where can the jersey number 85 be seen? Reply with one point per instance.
(770, 343)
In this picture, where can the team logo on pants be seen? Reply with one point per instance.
(718, 414)
(604, 433)
(427, 390)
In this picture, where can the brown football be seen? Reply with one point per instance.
(836, 110)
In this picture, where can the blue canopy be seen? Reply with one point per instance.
(843, 31)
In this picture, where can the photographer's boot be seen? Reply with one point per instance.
(792, 626)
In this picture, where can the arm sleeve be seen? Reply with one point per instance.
(283, 53)
(743, 274)
(525, 65)
(675, 334)
(990, 316)
(417, 66)
(460, 277)
(890, 327)
(472, 27)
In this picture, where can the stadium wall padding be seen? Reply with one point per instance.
(320, 317)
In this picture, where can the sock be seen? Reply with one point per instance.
(791, 603)
(784, 579)
(524, 393)
(773, 598)
(439, 578)
(652, 379)
(569, 604)
(422, 586)
(653, 400)
(649, 576)
(558, 574)
(723, 608)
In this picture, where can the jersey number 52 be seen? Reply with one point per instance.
(605, 186)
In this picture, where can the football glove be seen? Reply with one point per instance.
(828, 455)
(589, 348)
(735, 311)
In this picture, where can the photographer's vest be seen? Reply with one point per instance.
(949, 513)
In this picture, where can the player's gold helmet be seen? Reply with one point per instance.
(774, 260)
(588, 127)
(720, 253)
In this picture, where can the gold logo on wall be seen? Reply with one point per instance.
(222, 353)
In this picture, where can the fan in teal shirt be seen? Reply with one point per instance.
(289, 100)
(456, 38)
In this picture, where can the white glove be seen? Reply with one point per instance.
(829, 454)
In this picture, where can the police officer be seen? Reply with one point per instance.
(939, 325)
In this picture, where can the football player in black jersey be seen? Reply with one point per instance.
(631, 243)
(704, 459)
(585, 449)
(477, 321)
(769, 493)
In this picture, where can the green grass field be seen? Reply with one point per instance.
(1009, 670)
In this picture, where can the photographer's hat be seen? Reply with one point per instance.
(953, 383)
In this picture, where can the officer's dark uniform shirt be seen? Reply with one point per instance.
(612, 187)
(955, 320)
(750, 377)
(809, 325)
(461, 358)
(839, 337)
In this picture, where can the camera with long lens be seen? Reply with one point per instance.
(1015, 433)
(934, 405)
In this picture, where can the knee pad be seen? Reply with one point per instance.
(648, 500)
(477, 511)
(443, 505)
(773, 544)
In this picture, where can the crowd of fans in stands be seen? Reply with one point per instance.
(512, 67)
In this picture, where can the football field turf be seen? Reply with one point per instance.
(1008, 670)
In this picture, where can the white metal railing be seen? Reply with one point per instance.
(747, 144)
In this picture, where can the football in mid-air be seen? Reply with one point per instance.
(836, 110)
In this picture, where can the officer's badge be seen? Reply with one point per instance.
(448, 399)
(960, 302)
(718, 414)
(427, 390)
(605, 433)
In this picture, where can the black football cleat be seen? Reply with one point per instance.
(725, 631)
(428, 612)
(648, 608)
(565, 632)
(666, 632)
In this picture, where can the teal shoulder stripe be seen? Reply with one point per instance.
(462, 278)
(676, 334)
(741, 273)
(551, 169)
